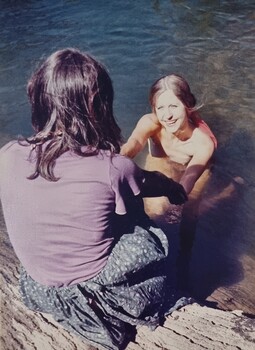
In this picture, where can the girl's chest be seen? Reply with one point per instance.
(177, 150)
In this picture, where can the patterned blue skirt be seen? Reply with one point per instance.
(130, 290)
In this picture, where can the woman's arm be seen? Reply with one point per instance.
(156, 184)
(145, 128)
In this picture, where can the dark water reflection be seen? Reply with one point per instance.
(211, 43)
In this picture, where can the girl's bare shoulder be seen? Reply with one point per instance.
(202, 140)
(150, 120)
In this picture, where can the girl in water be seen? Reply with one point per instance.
(73, 209)
(180, 145)
(174, 130)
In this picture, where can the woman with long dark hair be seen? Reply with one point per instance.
(73, 208)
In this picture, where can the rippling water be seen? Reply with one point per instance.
(210, 43)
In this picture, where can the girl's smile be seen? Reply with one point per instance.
(170, 111)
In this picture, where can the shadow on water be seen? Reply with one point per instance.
(215, 262)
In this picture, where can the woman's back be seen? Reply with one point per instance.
(63, 231)
(62, 190)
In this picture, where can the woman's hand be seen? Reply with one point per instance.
(157, 184)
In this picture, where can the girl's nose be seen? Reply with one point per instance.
(167, 116)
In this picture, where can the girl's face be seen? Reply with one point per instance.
(170, 111)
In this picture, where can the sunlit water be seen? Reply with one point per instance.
(212, 46)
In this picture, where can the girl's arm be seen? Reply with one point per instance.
(203, 152)
(145, 128)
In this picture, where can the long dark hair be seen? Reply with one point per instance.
(71, 96)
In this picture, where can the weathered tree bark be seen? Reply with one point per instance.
(192, 328)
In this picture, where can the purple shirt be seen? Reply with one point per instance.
(62, 231)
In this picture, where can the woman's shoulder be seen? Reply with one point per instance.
(199, 133)
(122, 162)
(147, 126)
(150, 120)
(9, 147)
(13, 151)
(124, 166)
(201, 139)
(206, 132)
